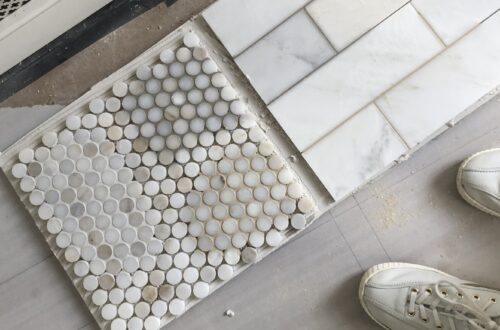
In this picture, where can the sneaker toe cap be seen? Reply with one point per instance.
(385, 292)
(479, 179)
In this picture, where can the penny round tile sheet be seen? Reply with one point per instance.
(160, 189)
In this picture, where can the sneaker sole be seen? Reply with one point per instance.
(382, 267)
(462, 191)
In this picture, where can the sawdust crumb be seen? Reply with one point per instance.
(392, 212)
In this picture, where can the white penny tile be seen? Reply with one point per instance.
(344, 21)
(240, 23)
(446, 86)
(358, 150)
(453, 18)
(353, 78)
(129, 202)
(284, 56)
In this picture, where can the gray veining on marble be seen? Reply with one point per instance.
(284, 56)
(451, 19)
(445, 87)
(355, 152)
(354, 77)
(240, 23)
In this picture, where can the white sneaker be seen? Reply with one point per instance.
(402, 296)
(478, 181)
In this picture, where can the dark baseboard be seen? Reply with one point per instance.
(85, 33)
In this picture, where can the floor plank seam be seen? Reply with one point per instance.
(372, 229)
(25, 270)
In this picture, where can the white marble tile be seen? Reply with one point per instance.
(284, 56)
(240, 23)
(355, 77)
(343, 21)
(446, 86)
(453, 18)
(355, 152)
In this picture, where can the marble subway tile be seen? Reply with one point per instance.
(355, 77)
(355, 152)
(451, 19)
(240, 23)
(446, 86)
(344, 21)
(284, 56)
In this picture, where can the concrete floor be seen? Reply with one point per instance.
(412, 213)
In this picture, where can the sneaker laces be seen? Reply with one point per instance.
(465, 310)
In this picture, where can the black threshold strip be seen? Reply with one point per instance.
(82, 35)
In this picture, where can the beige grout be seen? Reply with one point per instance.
(489, 16)
(339, 52)
(320, 30)
(391, 125)
(429, 25)
(271, 31)
(374, 100)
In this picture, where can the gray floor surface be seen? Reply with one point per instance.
(412, 213)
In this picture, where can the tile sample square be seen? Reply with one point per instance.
(451, 19)
(240, 23)
(157, 186)
(343, 21)
(284, 56)
(446, 86)
(355, 152)
(355, 77)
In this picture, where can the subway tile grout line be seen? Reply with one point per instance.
(433, 163)
(339, 52)
(391, 125)
(371, 228)
(488, 17)
(377, 97)
(395, 84)
(271, 31)
(320, 30)
(429, 25)
(376, 25)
